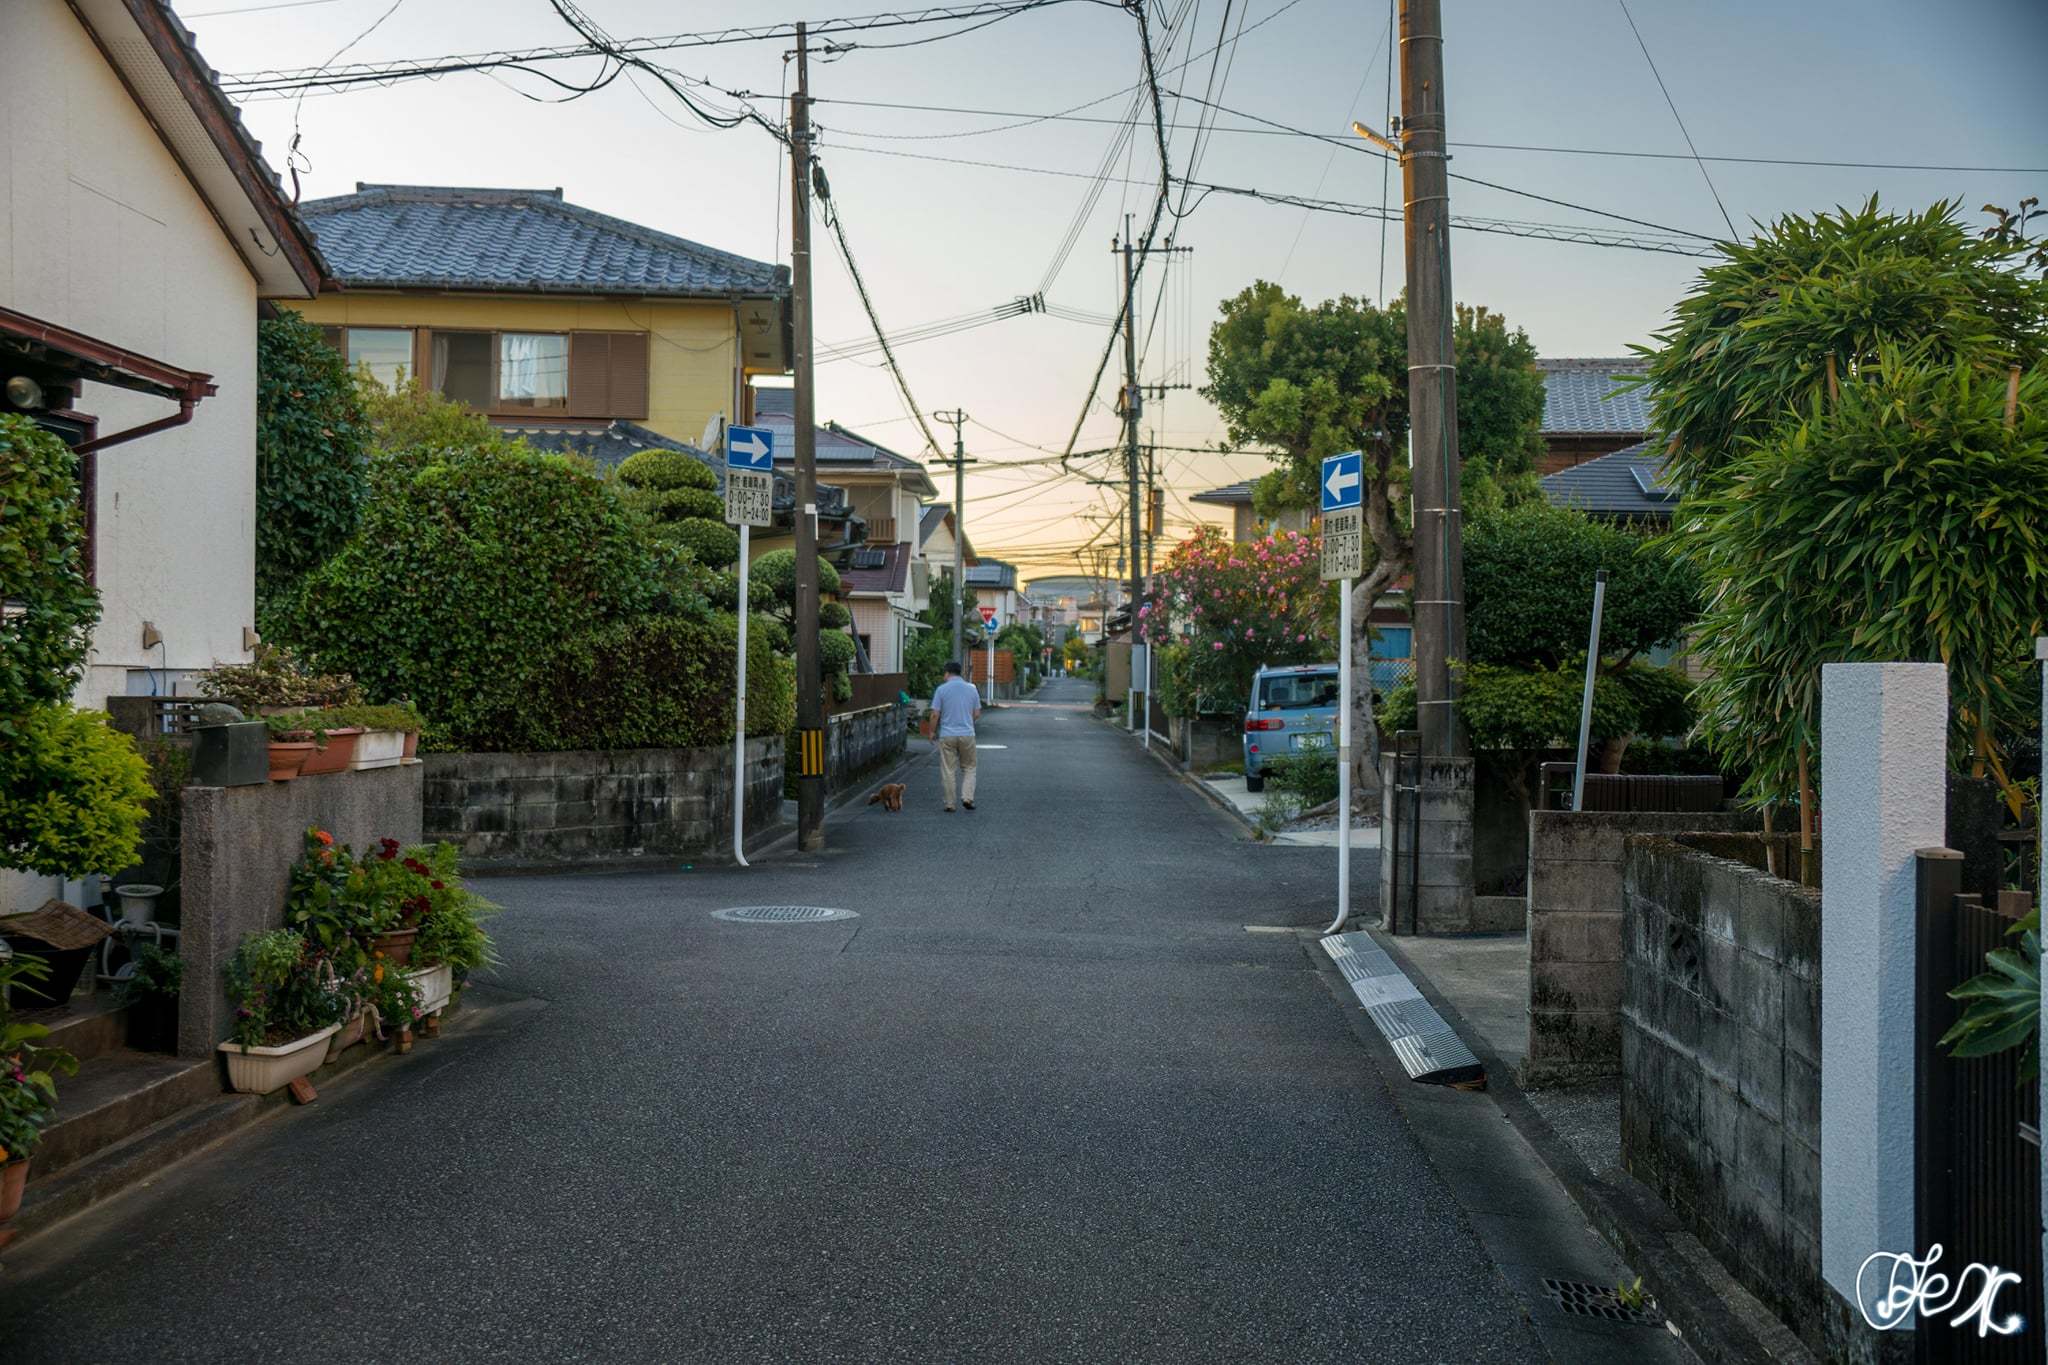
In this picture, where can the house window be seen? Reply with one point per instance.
(385, 351)
(533, 370)
(461, 367)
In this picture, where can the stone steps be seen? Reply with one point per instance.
(90, 1026)
(130, 1161)
(115, 1094)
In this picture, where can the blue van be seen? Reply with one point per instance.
(1293, 711)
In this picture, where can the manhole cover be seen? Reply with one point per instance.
(1597, 1301)
(781, 914)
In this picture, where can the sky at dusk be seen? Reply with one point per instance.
(963, 204)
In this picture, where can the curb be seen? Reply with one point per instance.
(1721, 1321)
(786, 840)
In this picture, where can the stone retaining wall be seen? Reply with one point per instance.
(594, 804)
(1575, 934)
(1720, 1043)
(858, 742)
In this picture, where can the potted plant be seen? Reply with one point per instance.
(387, 730)
(451, 942)
(28, 1088)
(289, 1001)
(276, 681)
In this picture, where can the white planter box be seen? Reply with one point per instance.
(378, 749)
(260, 1070)
(435, 985)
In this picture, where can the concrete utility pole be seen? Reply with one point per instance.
(1131, 403)
(1439, 846)
(810, 693)
(957, 418)
(1432, 383)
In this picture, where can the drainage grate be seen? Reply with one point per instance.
(1597, 1301)
(781, 914)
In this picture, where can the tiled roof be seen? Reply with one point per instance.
(991, 573)
(1578, 396)
(608, 446)
(1626, 485)
(775, 408)
(528, 241)
(876, 569)
(929, 521)
(1232, 495)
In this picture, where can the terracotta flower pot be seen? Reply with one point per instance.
(335, 758)
(412, 743)
(396, 946)
(13, 1179)
(288, 758)
(351, 1034)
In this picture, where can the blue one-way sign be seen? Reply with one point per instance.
(1343, 481)
(750, 448)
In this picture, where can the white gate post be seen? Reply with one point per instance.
(1884, 788)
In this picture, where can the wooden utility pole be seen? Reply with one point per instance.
(1432, 382)
(810, 693)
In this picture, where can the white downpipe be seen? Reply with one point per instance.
(1586, 702)
(739, 720)
(1343, 756)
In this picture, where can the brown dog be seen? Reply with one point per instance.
(889, 796)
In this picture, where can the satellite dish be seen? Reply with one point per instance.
(713, 438)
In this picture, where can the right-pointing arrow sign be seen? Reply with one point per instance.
(1343, 477)
(750, 447)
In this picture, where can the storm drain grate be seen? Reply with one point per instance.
(781, 914)
(1597, 1301)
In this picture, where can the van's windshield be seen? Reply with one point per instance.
(1297, 691)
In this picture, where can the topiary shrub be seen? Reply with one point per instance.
(73, 794)
(659, 682)
(671, 505)
(46, 628)
(664, 469)
(310, 444)
(711, 543)
(470, 569)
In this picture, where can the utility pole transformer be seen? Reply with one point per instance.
(1432, 383)
(810, 694)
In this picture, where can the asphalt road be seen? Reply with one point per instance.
(1045, 1099)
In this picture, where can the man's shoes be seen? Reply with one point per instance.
(949, 810)
(968, 804)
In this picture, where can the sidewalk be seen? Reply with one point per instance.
(1231, 791)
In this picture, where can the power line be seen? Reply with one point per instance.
(1683, 130)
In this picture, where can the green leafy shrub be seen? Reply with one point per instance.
(282, 988)
(73, 794)
(662, 682)
(276, 677)
(925, 661)
(673, 491)
(310, 444)
(679, 504)
(663, 469)
(28, 1087)
(51, 606)
(471, 568)
(159, 975)
(711, 543)
(410, 417)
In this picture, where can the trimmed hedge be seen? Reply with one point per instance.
(667, 469)
(662, 682)
(310, 444)
(711, 543)
(42, 565)
(73, 794)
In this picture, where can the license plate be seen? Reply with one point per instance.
(1312, 741)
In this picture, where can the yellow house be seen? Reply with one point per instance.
(544, 314)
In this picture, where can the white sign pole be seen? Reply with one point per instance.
(988, 630)
(1586, 702)
(1344, 586)
(739, 718)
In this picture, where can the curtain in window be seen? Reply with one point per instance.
(533, 369)
(439, 361)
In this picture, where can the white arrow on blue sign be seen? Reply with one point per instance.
(1343, 481)
(750, 447)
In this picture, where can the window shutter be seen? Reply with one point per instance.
(629, 375)
(589, 374)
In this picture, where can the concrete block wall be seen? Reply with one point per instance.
(1720, 1048)
(858, 742)
(1575, 933)
(593, 804)
(238, 844)
(1442, 890)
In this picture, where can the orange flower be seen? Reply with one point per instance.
(378, 975)
(324, 837)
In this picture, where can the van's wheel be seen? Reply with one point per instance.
(1255, 784)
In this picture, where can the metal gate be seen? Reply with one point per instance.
(1977, 1166)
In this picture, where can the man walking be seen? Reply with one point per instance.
(955, 707)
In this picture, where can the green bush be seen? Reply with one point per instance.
(926, 661)
(659, 682)
(659, 469)
(711, 543)
(73, 795)
(667, 505)
(471, 568)
(410, 417)
(310, 443)
(51, 606)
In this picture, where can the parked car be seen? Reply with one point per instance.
(1293, 710)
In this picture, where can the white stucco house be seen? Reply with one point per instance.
(140, 233)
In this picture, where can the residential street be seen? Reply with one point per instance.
(1044, 1099)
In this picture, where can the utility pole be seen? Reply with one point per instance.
(1130, 405)
(1432, 382)
(810, 694)
(958, 418)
